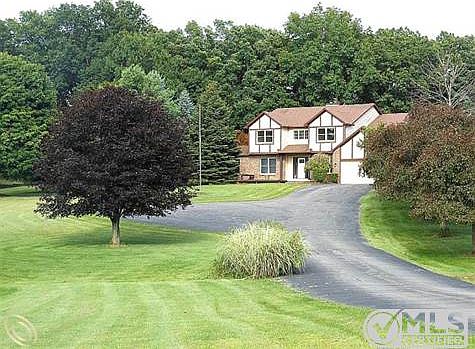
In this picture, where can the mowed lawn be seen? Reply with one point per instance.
(156, 292)
(244, 192)
(387, 225)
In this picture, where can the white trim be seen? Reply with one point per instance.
(268, 166)
(298, 130)
(326, 140)
(265, 136)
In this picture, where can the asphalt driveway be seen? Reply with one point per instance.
(343, 267)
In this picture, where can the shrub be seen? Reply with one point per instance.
(319, 166)
(331, 178)
(261, 249)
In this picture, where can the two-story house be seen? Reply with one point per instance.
(281, 141)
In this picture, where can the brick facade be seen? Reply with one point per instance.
(336, 161)
(251, 165)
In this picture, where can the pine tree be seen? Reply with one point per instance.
(219, 149)
(186, 105)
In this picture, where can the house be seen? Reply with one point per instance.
(281, 141)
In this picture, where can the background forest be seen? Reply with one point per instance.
(325, 56)
(234, 71)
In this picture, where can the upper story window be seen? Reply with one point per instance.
(301, 134)
(325, 134)
(265, 136)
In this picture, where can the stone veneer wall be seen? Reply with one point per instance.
(336, 161)
(251, 165)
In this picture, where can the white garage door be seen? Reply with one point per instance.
(349, 173)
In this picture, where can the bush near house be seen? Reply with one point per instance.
(319, 166)
(331, 178)
(261, 249)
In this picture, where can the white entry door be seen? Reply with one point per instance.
(301, 168)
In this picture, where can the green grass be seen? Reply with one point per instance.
(154, 293)
(387, 225)
(244, 192)
(208, 193)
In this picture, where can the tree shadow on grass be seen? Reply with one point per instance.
(17, 190)
(131, 237)
(10, 185)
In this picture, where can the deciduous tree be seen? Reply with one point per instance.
(27, 106)
(150, 84)
(114, 153)
(428, 161)
(65, 39)
(323, 46)
(447, 79)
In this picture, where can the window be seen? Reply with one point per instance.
(300, 134)
(325, 134)
(265, 136)
(268, 166)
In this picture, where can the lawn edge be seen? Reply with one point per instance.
(372, 243)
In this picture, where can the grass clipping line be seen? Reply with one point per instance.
(261, 249)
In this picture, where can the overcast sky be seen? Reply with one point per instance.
(429, 17)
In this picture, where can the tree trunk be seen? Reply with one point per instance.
(444, 229)
(473, 239)
(115, 219)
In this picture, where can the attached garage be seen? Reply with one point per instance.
(350, 173)
(351, 156)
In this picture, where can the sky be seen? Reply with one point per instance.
(429, 17)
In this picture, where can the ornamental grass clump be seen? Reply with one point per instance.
(261, 249)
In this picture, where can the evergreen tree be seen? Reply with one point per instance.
(219, 149)
(186, 105)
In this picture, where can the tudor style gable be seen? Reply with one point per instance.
(264, 135)
(325, 132)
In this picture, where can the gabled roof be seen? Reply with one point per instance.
(294, 117)
(253, 120)
(302, 116)
(383, 119)
(389, 119)
(349, 113)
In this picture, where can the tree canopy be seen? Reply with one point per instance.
(65, 39)
(114, 153)
(428, 161)
(27, 106)
(320, 57)
(150, 84)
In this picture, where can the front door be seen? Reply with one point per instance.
(301, 168)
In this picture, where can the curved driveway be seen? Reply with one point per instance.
(343, 267)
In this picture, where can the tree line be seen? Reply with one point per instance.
(324, 56)
(233, 71)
